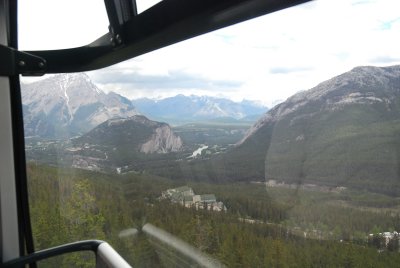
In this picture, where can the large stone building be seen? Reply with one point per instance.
(185, 196)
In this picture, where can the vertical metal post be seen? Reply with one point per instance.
(9, 236)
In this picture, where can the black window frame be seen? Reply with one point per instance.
(130, 35)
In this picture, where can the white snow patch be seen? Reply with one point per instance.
(65, 87)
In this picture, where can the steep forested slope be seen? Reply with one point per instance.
(344, 132)
(68, 205)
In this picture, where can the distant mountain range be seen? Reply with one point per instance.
(343, 132)
(69, 104)
(180, 109)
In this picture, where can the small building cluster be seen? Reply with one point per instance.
(185, 196)
(385, 240)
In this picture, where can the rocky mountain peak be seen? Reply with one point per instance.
(342, 132)
(163, 140)
(69, 103)
(361, 85)
(136, 132)
(189, 108)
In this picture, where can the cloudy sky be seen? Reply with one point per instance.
(266, 59)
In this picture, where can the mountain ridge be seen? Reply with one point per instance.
(125, 142)
(343, 132)
(68, 104)
(323, 89)
(194, 108)
(149, 136)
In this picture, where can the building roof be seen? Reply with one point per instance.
(183, 189)
(208, 198)
(188, 198)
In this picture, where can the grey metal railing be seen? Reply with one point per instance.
(106, 256)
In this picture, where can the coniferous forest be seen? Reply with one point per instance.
(261, 227)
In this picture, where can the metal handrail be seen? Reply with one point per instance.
(106, 256)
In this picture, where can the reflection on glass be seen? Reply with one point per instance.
(165, 158)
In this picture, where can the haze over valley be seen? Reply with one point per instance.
(270, 143)
(316, 136)
(322, 165)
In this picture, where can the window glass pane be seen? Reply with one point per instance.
(48, 24)
(272, 143)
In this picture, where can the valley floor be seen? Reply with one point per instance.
(263, 227)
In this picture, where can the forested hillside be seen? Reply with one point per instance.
(70, 204)
(343, 132)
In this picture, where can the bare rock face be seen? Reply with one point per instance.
(363, 85)
(163, 140)
(343, 132)
(133, 135)
(64, 105)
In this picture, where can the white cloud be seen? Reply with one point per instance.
(271, 57)
(55, 24)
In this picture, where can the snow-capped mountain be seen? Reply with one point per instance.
(186, 108)
(69, 104)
